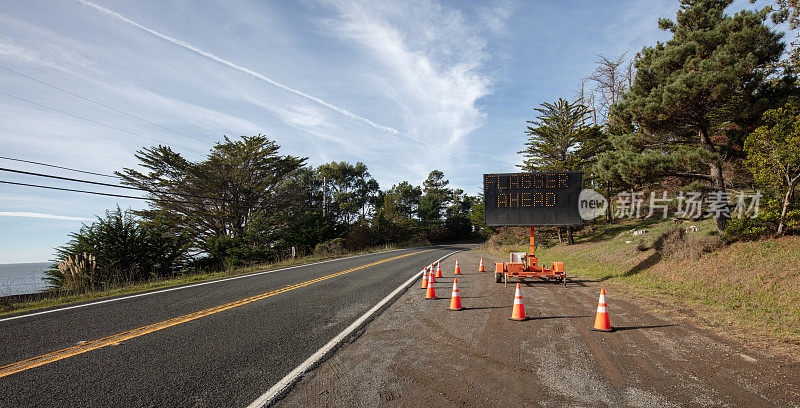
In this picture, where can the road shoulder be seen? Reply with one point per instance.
(416, 353)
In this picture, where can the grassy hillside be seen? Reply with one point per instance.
(754, 286)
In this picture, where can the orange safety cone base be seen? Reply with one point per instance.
(455, 310)
(603, 330)
(520, 320)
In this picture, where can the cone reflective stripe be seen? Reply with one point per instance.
(601, 321)
(439, 270)
(431, 292)
(455, 298)
(432, 278)
(480, 269)
(518, 313)
(458, 268)
(425, 279)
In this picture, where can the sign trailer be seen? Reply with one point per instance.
(531, 200)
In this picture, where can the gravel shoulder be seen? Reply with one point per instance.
(417, 353)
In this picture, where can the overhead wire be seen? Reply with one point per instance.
(79, 191)
(29, 173)
(58, 167)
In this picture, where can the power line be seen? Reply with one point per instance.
(70, 179)
(58, 167)
(100, 104)
(97, 193)
(74, 190)
(108, 185)
(94, 121)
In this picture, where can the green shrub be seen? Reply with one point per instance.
(748, 229)
(331, 247)
(116, 249)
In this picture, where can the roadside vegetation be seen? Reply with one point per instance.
(246, 204)
(713, 113)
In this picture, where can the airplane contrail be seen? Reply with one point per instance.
(213, 57)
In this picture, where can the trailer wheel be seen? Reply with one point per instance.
(498, 277)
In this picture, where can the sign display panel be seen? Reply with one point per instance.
(532, 199)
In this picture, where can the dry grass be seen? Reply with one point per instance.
(749, 287)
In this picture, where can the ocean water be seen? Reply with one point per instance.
(17, 279)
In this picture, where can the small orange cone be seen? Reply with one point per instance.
(601, 322)
(480, 269)
(439, 270)
(518, 313)
(455, 299)
(431, 292)
(432, 278)
(458, 268)
(425, 279)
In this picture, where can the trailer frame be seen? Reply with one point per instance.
(526, 265)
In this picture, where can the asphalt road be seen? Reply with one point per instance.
(250, 332)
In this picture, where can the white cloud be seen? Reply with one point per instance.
(429, 61)
(237, 67)
(41, 215)
(49, 56)
(495, 17)
(165, 108)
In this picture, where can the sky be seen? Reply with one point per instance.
(403, 86)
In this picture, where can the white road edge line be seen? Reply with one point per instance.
(249, 275)
(283, 385)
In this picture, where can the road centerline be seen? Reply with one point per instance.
(130, 334)
(181, 287)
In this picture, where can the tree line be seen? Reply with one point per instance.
(247, 203)
(716, 108)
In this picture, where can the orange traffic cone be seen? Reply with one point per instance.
(480, 269)
(455, 299)
(458, 268)
(432, 278)
(425, 279)
(439, 270)
(518, 313)
(601, 322)
(431, 292)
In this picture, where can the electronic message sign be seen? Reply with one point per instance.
(532, 199)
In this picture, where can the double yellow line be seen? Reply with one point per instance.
(141, 331)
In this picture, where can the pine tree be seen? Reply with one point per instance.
(688, 91)
(561, 139)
